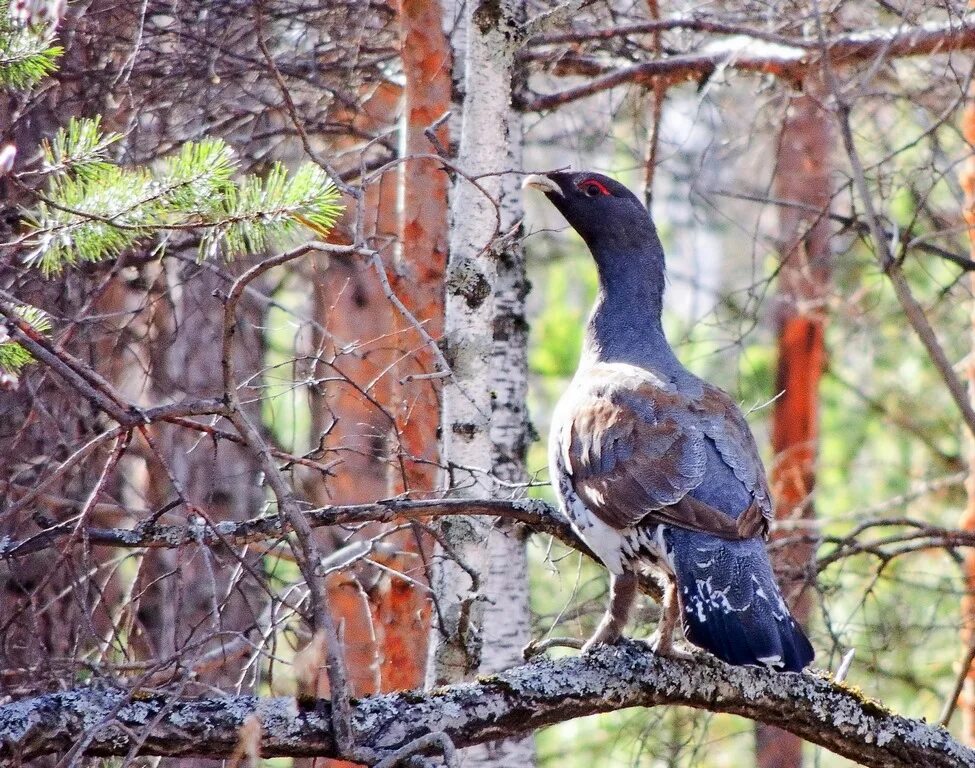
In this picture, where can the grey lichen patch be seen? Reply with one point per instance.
(487, 15)
(91, 704)
(170, 535)
(467, 280)
(140, 712)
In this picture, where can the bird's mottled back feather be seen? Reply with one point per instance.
(722, 421)
(635, 448)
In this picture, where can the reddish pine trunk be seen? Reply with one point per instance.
(802, 176)
(403, 615)
(352, 306)
(350, 413)
(419, 273)
(967, 522)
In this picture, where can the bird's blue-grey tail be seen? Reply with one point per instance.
(730, 604)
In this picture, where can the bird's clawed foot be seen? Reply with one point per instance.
(622, 592)
(661, 642)
(664, 646)
(601, 637)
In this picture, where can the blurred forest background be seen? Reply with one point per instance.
(807, 165)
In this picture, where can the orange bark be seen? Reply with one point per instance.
(404, 613)
(802, 175)
(418, 278)
(352, 306)
(350, 417)
(967, 522)
(349, 410)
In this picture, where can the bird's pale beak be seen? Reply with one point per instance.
(544, 183)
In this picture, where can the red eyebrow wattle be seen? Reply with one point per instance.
(599, 185)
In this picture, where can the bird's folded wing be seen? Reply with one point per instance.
(634, 454)
(722, 421)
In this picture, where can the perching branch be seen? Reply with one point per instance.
(514, 702)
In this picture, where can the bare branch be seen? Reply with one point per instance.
(537, 515)
(892, 268)
(742, 55)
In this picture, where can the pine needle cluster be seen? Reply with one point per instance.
(91, 208)
(94, 209)
(27, 52)
(13, 356)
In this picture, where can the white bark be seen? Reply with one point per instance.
(484, 420)
(507, 618)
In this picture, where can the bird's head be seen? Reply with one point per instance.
(604, 212)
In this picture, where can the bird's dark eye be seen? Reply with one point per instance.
(592, 188)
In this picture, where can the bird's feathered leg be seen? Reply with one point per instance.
(622, 592)
(662, 641)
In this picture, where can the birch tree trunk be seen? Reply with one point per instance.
(480, 585)
(801, 176)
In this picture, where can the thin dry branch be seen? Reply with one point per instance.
(742, 54)
(913, 311)
(537, 515)
(514, 702)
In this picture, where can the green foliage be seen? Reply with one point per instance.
(569, 288)
(26, 52)
(81, 147)
(13, 356)
(94, 209)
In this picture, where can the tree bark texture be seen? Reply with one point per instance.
(107, 721)
(484, 278)
(802, 175)
(967, 522)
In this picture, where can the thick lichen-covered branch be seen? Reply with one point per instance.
(514, 702)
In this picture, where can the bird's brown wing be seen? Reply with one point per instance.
(634, 453)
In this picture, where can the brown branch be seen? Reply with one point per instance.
(788, 62)
(537, 515)
(303, 544)
(656, 26)
(511, 703)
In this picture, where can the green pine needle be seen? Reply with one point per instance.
(94, 209)
(26, 53)
(13, 357)
(80, 149)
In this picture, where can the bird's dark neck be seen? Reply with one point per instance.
(625, 324)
